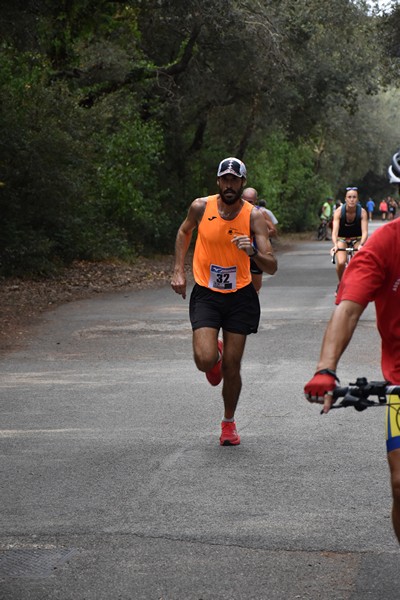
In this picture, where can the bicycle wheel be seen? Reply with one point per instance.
(321, 232)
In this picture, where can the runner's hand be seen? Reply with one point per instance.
(243, 242)
(320, 390)
(178, 284)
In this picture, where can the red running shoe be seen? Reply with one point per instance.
(229, 434)
(215, 375)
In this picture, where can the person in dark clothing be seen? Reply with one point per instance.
(350, 224)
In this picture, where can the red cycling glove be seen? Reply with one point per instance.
(323, 381)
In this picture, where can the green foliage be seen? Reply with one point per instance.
(389, 34)
(41, 170)
(115, 115)
(128, 183)
(283, 174)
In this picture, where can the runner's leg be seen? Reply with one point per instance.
(340, 259)
(234, 344)
(394, 464)
(205, 350)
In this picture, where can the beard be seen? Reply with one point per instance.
(233, 196)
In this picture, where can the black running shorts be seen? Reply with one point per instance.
(237, 312)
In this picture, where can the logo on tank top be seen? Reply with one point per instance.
(235, 232)
(211, 218)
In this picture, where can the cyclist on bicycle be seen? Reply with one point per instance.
(326, 210)
(372, 276)
(350, 228)
(326, 217)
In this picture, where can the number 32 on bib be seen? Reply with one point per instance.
(222, 278)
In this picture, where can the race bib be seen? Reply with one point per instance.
(222, 278)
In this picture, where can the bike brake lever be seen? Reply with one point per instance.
(359, 404)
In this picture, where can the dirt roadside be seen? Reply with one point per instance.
(23, 301)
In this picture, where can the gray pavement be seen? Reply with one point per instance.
(114, 485)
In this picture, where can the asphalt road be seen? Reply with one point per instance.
(113, 483)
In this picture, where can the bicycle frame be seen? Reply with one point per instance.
(323, 229)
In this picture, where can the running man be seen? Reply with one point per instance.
(223, 296)
(373, 275)
(250, 195)
(350, 224)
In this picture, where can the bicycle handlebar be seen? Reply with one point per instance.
(357, 394)
(349, 250)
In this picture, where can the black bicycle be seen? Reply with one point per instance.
(358, 394)
(350, 251)
(322, 231)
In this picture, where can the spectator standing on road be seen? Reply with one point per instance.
(392, 208)
(383, 209)
(373, 275)
(370, 208)
(223, 296)
(350, 223)
(251, 195)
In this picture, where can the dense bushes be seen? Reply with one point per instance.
(284, 174)
(43, 175)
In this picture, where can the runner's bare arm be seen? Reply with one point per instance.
(337, 336)
(265, 257)
(271, 227)
(272, 230)
(335, 227)
(182, 243)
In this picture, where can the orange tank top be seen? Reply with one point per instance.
(217, 263)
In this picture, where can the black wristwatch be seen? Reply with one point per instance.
(328, 372)
(254, 253)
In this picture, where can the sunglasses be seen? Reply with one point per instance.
(352, 188)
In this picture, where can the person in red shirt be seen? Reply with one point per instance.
(223, 296)
(373, 275)
(383, 207)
